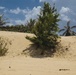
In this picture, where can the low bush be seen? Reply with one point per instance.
(3, 48)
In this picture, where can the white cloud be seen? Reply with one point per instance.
(20, 21)
(64, 13)
(47, 0)
(25, 11)
(42, 0)
(65, 10)
(28, 14)
(64, 17)
(33, 13)
(18, 11)
(1, 7)
(15, 11)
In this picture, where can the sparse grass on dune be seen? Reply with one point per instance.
(3, 47)
(4, 42)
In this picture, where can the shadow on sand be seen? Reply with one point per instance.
(35, 52)
(38, 53)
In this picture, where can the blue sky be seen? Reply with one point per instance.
(20, 11)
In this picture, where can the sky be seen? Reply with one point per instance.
(21, 11)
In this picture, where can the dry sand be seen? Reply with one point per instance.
(16, 64)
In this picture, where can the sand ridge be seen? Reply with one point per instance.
(16, 64)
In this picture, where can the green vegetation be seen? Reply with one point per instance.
(19, 28)
(46, 28)
(3, 49)
(30, 25)
(68, 30)
(2, 21)
(16, 28)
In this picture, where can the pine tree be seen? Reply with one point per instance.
(30, 25)
(46, 28)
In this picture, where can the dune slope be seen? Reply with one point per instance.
(16, 64)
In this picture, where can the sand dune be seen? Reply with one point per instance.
(14, 63)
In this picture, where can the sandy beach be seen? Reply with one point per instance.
(15, 63)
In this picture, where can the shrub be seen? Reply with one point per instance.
(3, 49)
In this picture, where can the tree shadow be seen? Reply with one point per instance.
(36, 52)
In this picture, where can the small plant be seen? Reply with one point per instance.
(3, 49)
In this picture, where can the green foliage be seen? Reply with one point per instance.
(68, 30)
(3, 49)
(16, 28)
(46, 28)
(20, 28)
(30, 25)
(2, 20)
